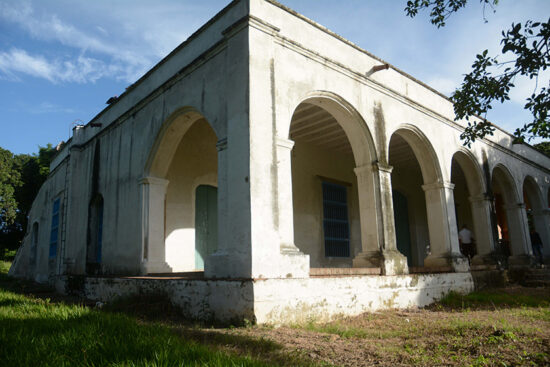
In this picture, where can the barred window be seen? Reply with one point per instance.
(335, 220)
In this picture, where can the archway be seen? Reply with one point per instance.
(34, 247)
(472, 205)
(510, 218)
(409, 202)
(416, 176)
(331, 190)
(536, 212)
(184, 158)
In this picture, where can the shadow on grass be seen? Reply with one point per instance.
(39, 325)
(159, 309)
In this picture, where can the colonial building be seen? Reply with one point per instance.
(269, 169)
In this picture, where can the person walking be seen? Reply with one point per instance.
(536, 242)
(466, 240)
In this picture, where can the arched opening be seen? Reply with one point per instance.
(409, 202)
(508, 211)
(429, 214)
(325, 198)
(536, 216)
(95, 236)
(179, 206)
(463, 209)
(472, 207)
(330, 142)
(34, 248)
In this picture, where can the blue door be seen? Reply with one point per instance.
(206, 223)
(402, 230)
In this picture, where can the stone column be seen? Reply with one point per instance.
(485, 241)
(293, 262)
(518, 232)
(218, 264)
(378, 242)
(444, 245)
(153, 217)
(284, 195)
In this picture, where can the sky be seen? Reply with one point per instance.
(61, 60)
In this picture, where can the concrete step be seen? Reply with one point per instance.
(536, 278)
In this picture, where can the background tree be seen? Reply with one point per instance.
(543, 147)
(9, 181)
(21, 177)
(491, 80)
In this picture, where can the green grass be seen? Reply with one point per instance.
(38, 332)
(492, 299)
(4, 267)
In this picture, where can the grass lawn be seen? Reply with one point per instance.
(501, 327)
(38, 332)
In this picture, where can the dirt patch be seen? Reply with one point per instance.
(478, 335)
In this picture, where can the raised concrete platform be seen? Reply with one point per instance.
(276, 301)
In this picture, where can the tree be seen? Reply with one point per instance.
(10, 179)
(543, 147)
(21, 176)
(491, 80)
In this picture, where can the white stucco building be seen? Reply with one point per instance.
(303, 175)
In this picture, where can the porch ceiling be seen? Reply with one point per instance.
(314, 125)
(402, 156)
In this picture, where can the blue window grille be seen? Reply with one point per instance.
(335, 220)
(54, 233)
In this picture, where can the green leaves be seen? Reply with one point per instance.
(10, 179)
(440, 10)
(490, 81)
(484, 84)
(21, 176)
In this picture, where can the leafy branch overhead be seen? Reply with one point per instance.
(491, 80)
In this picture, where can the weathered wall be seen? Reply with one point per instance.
(41, 213)
(246, 76)
(304, 300)
(324, 299)
(310, 164)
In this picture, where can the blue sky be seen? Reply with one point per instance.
(60, 60)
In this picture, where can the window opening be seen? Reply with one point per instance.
(335, 220)
(54, 233)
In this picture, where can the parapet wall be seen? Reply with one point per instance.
(279, 301)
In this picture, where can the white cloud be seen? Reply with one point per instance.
(79, 70)
(113, 59)
(17, 60)
(128, 38)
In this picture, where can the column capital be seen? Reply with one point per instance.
(155, 181)
(379, 166)
(361, 170)
(438, 185)
(285, 143)
(479, 198)
(221, 144)
(539, 212)
(515, 206)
